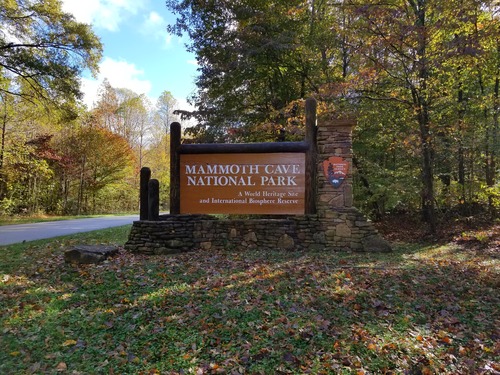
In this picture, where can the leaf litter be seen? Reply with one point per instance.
(420, 310)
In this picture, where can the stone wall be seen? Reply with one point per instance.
(342, 231)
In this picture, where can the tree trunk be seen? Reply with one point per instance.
(422, 106)
(81, 187)
(491, 152)
(3, 185)
(428, 207)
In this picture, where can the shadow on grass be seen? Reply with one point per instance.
(419, 310)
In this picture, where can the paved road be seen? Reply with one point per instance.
(10, 234)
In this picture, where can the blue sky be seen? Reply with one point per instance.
(138, 53)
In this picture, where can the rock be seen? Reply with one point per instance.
(342, 230)
(286, 242)
(250, 237)
(88, 254)
(233, 233)
(174, 244)
(206, 245)
(376, 244)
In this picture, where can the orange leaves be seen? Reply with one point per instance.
(61, 367)
(444, 338)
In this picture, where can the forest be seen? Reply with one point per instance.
(421, 77)
(58, 157)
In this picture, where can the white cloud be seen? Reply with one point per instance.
(154, 19)
(192, 62)
(106, 14)
(155, 26)
(120, 74)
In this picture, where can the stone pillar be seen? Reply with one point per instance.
(334, 177)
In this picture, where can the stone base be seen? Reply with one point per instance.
(345, 230)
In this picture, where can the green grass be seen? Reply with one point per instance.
(419, 310)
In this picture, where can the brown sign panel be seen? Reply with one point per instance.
(268, 183)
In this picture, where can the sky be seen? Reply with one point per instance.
(138, 52)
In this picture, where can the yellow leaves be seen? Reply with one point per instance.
(69, 343)
(15, 354)
(419, 338)
(135, 360)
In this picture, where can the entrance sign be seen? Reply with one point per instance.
(240, 183)
(335, 170)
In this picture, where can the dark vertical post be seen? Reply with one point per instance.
(153, 200)
(175, 168)
(143, 193)
(311, 158)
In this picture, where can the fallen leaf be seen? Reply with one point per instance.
(69, 343)
(61, 367)
(446, 340)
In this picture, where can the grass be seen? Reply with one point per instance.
(419, 310)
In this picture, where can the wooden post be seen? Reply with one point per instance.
(153, 200)
(311, 158)
(143, 193)
(175, 168)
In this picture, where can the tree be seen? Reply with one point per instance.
(422, 55)
(125, 113)
(26, 159)
(420, 75)
(166, 105)
(93, 158)
(43, 52)
(254, 60)
(44, 49)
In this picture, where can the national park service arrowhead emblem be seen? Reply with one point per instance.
(335, 169)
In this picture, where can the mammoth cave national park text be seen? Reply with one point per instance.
(242, 175)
